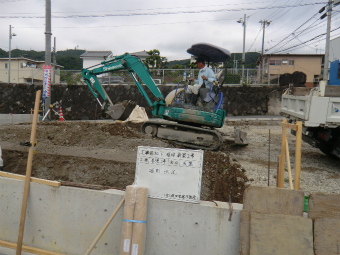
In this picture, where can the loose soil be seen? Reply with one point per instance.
(105, 154)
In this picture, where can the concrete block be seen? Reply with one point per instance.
(14, 118)
(67, 220)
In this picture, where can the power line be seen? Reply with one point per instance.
(255, 39)
(158, 13)
(152, 9)
(138, 25)
(306, 30)
(314, 38)
(286, 37)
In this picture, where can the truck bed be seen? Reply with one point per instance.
(314, 111)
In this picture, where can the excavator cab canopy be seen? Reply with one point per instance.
(210, 53)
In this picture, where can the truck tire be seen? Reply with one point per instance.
(327, 148)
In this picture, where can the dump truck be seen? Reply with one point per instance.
(319, 110)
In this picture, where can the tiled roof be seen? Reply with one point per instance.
(29, 60)
(140, 54)
(96, 54)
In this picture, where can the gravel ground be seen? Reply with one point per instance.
(319, 173)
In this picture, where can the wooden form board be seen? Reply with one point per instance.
(33, 179)
(244, 232)
(324, 206)
(327, 236)
(273, 200)
(280, 235)
(28, 249)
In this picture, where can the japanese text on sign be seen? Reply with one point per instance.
(47, 82)
(173, 174)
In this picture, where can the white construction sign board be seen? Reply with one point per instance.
(172, 174)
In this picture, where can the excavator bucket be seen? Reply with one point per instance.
(121, 111)
(240, 137)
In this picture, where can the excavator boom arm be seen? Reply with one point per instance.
(136, 69)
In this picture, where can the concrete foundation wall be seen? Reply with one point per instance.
(78, 103)
(67, 220)
(15, 118)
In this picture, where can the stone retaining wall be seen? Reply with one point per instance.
(78, 103)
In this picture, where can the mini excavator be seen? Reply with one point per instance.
(177, 118)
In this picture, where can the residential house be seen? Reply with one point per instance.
(25, 70)
(141, 54)
(310, 64)
(91, 58)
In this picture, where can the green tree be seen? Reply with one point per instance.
(3, 54)
(177, 66)
(70, 62)
(155, 60)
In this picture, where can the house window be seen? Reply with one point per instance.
(6, 65)
(285, 61)
(275, 62)
(291, 62)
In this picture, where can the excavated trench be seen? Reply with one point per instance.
(103, 155)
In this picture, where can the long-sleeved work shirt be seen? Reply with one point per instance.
(207, 72)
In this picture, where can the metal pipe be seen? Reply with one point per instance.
(9, 52)
(244, 45)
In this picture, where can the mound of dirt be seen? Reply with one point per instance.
(105, 154)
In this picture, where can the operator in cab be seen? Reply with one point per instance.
(205, 76)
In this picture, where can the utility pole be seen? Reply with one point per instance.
(9, 52)
(264, 23)
(47, 94)
(329, 20)
(244, 23)
(234, 63)
(54, 59)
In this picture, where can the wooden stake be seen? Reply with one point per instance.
(269, 159)
(280, 175)
(288, 166)
(28, 174)
(298, 155)
(105, 227)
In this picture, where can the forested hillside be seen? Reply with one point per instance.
(70, 59)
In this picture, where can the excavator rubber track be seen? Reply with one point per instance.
(185, 135)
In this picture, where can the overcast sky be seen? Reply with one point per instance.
(169, 26)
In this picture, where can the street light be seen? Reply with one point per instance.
(244, 22)
(9, 52)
